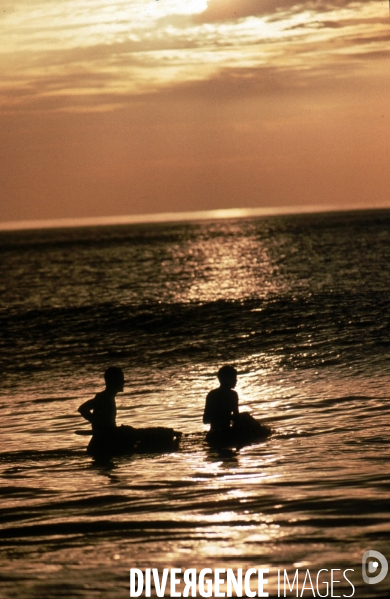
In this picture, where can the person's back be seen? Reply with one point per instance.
(101, 410)
(222, 403)
(104, 411)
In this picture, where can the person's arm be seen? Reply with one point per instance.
(206, 413)
(235, 410)
(85, 410)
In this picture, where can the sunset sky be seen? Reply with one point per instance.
(118, 107)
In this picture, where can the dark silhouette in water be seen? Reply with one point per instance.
(229, 427)
(222, 403)
(107, 438)
(101, 410)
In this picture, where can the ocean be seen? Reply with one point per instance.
(300, 305)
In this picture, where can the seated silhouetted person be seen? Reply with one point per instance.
(101, 410)
(221, 407)
(228, 427)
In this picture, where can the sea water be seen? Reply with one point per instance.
(299, 304)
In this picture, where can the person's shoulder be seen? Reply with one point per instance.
(234, 396)
(213, 393)
(89, 401)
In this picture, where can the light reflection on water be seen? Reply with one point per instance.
(313, 483)
(301, 310)
(234, 267)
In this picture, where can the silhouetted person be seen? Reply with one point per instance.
(222, 404)
(101, 410)
(108, 439)
(228, 426)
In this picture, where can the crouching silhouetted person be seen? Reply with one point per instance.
(229, 427)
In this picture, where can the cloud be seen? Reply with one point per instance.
(99, 61)
(372, 55)
(252, 102)
(232, 10)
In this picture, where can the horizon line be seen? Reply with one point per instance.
(166, 217)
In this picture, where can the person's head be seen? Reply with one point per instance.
(114, 378)
(227, 376)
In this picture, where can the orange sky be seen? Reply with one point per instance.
(114, 107)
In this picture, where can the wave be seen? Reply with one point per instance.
(319, 331)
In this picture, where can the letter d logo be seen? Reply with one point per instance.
(372, 567)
